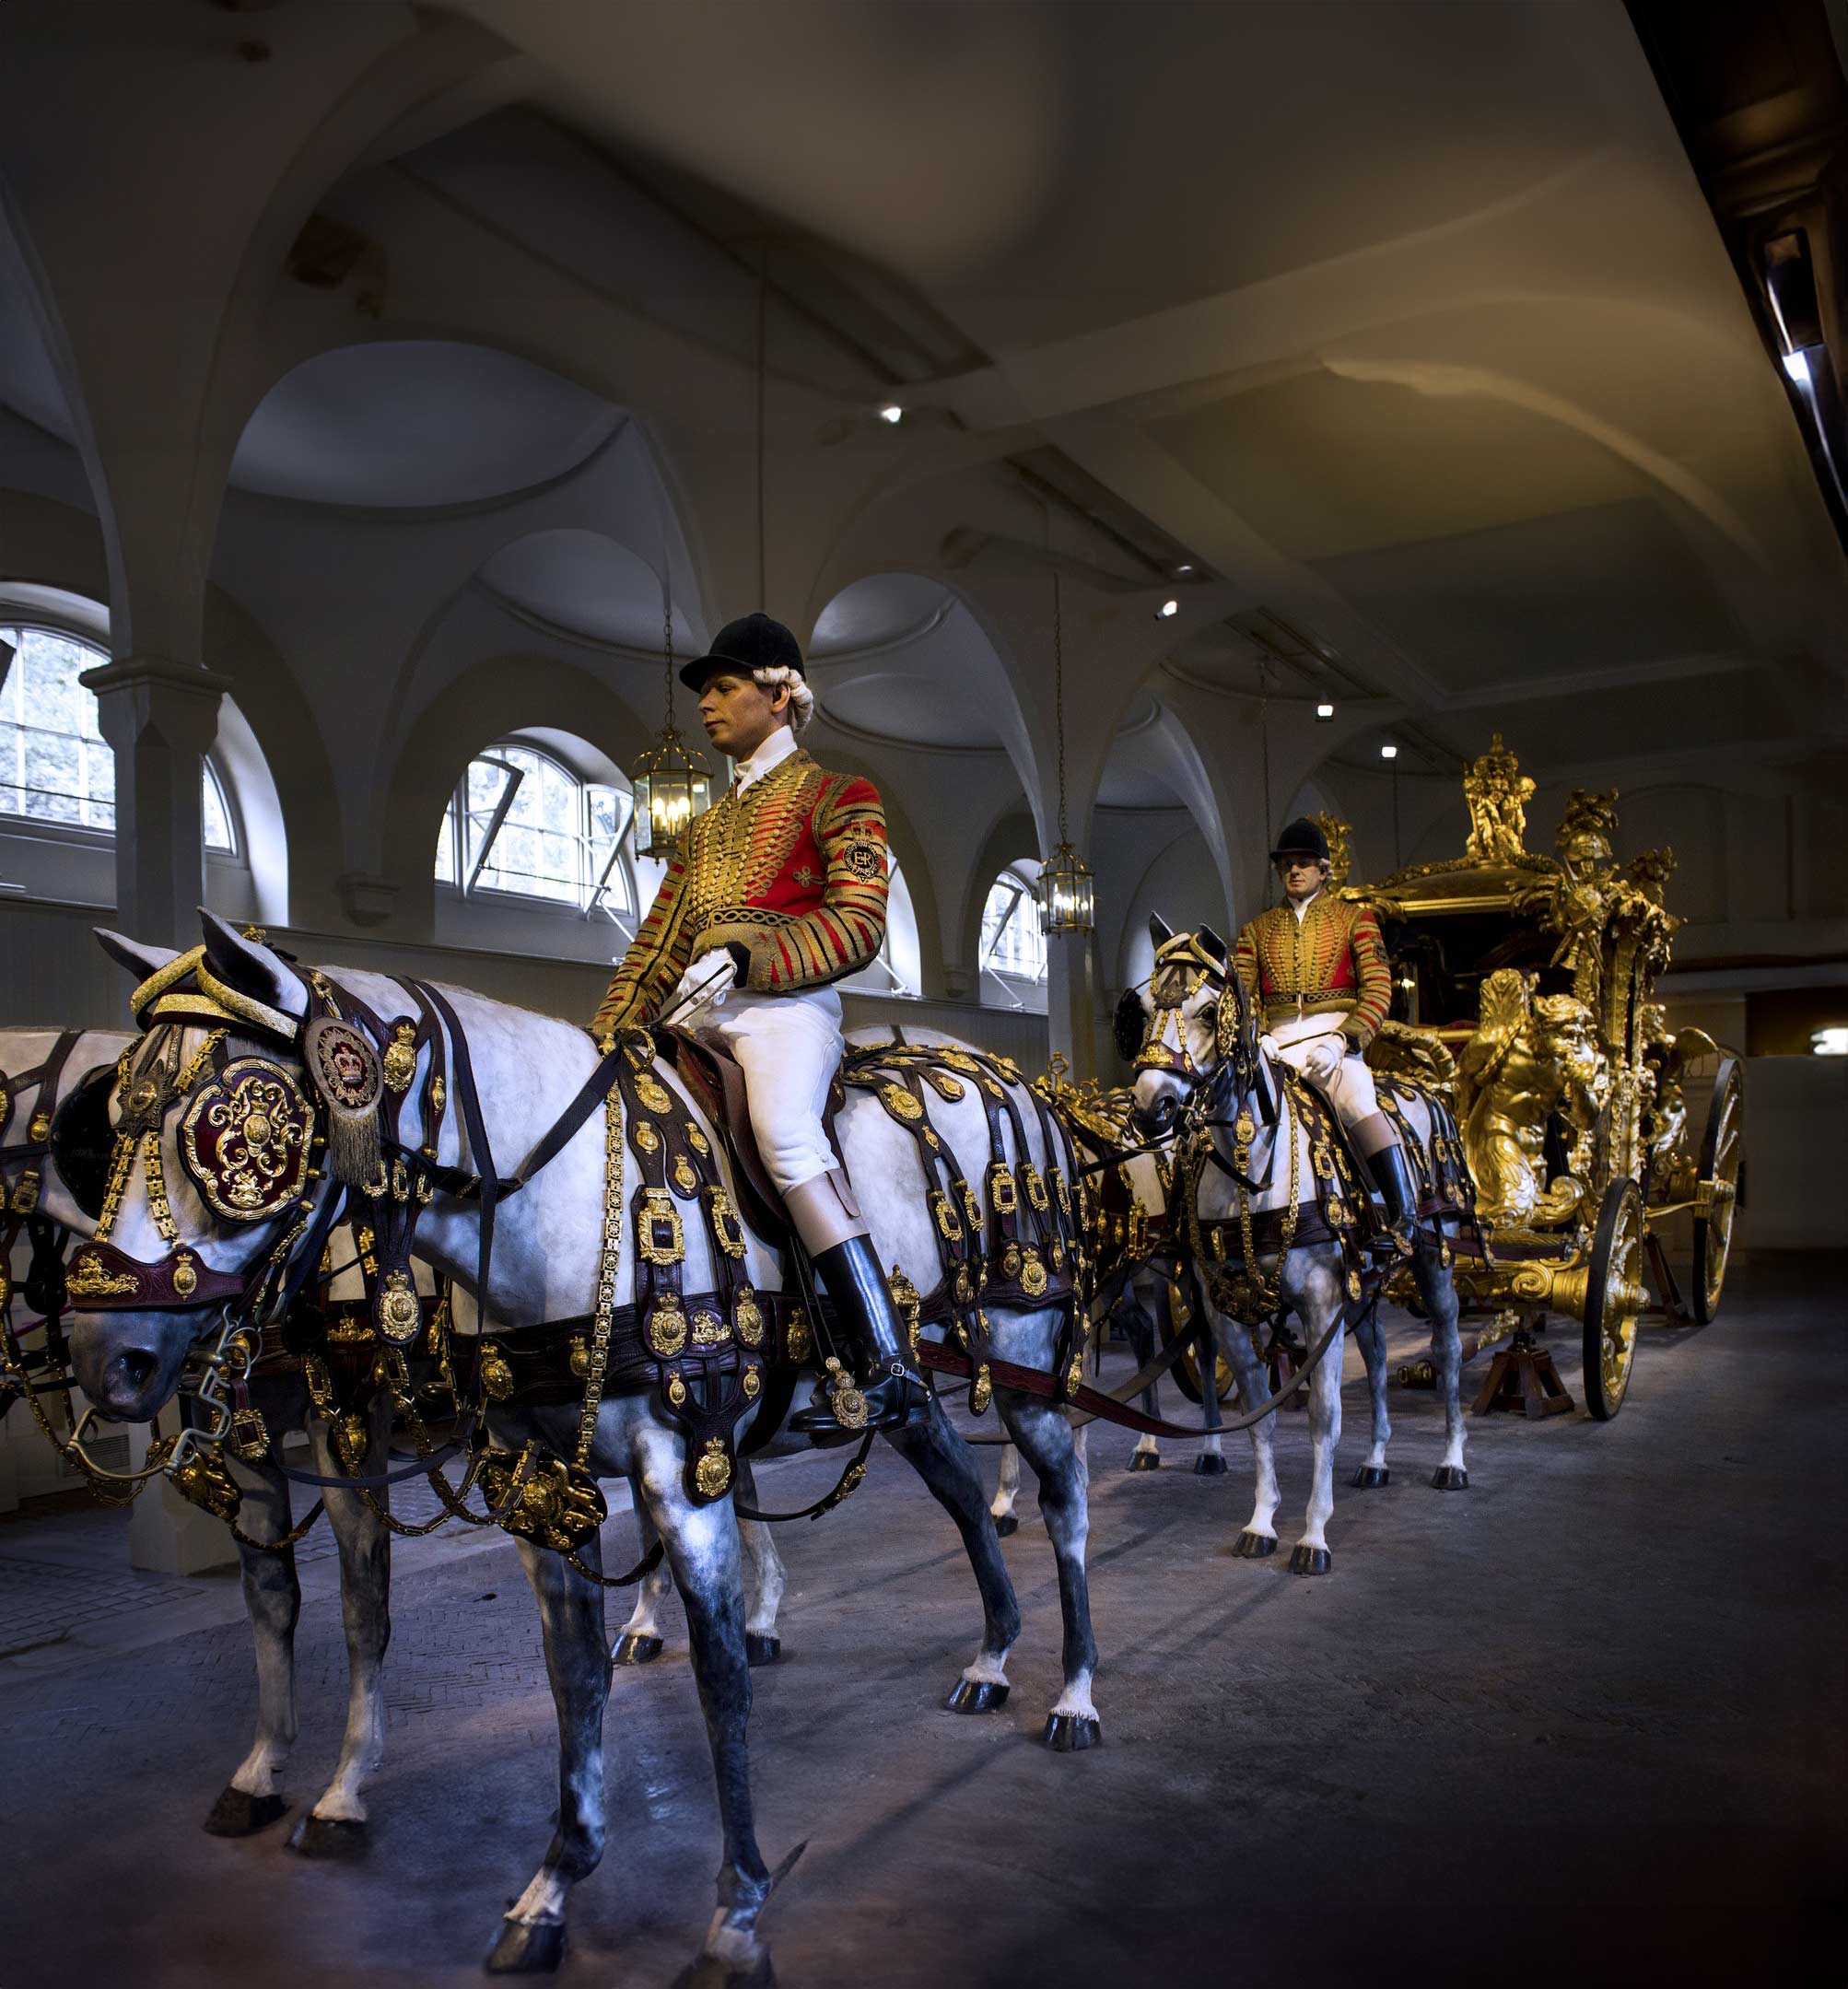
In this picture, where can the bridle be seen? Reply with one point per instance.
(253, 1138)
(1225, 1097)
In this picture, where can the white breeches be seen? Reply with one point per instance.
(1351, 1088)
(789, 1047)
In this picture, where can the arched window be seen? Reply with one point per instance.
(1012, 946)
(54, 762)
(521, 823)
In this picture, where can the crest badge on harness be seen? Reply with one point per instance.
(345, 1071)
(245, 1140)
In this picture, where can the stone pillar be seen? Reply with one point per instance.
(1071, 1001)
(166, 1533)
(159, 718)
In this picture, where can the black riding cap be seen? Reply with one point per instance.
(751, 643)
(1301, 839)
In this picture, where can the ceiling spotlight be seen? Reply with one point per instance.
(891, 414)
(1797, 364)
(1166, 609)
(1324, 713)
(1388, 753)
(1183, 569)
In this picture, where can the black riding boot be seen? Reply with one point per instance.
(885, 1391)
(1393, 1171)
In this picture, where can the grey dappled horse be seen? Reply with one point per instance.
(252, 1800)
(1182, 1055)
(546, 1265)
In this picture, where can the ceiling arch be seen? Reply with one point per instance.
(400, 423)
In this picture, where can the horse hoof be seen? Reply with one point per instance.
(239, 1814)
(1252, 1546)
(1006, 1525)
(527, 1948)
(635, 1649)
(1145, 1460)
(1310, 1561)
(1371, 1477)
(1071, 1732)
(1451, 1478)
(708, 1972)
(760, 1650)
(976, 1695)
(1209, 1464)
(328, 1837)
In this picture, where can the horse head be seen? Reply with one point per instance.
(214, 1177)
(1197, 1015)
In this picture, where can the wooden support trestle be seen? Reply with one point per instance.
(1524, 1380)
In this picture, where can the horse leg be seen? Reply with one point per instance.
(578, 1663)
(763, 1575)
(1439, 1293)
(944, 1462)
(253, 1798)
(335, 1827)
(1260, 1537)
(1044, 1437)
(703, 1545)
(640, 1641)
(1370, 1336)
(1317, 1300)
(1001, 1506)
(1210, 1463)
(1141, 1327)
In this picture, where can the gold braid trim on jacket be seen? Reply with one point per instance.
(737, 858)
(1288, 965)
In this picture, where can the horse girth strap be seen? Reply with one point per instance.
(1094, 1405)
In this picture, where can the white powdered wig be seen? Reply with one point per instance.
(802, 700)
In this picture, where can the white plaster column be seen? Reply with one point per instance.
(166, 1533)
(159, 719)
(1071, 1001)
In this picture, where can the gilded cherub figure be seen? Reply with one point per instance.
(1528, 1059)
(1497, 792)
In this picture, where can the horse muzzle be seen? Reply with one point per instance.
(1155, 1116)
(129, 1369)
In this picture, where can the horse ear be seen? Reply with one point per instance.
(1212, 943)
(141, 960)
(251, 967)
(1160, 931)
(1128, 1023)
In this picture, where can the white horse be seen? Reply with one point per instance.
(547, 1256)
(335, 1823)
(1193, 1050)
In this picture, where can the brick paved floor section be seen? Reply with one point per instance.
(1579, 1725)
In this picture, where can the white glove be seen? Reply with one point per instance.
(1266, 1047)
(1322, 1058)
(704, 986)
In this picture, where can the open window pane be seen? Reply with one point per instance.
(216, 814)
(1011, 942)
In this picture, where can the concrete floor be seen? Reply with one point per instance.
(1581, 1725)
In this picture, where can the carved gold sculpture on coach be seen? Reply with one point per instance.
(1497, 792)
(1528, 1059)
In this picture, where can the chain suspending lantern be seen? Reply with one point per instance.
(670, 785)
(1066, 897)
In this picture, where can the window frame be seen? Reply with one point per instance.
(212, 768)
(591, 888)
(1025, 891)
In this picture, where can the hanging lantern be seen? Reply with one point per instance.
(670, 785)
(1066, 903)
(1067, 900)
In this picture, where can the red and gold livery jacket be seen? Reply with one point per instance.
(793, 869)
(1331, 962)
